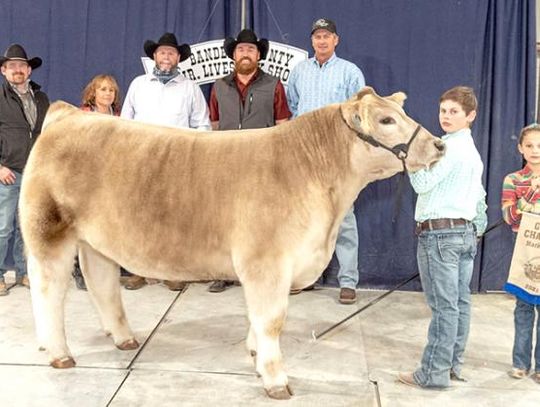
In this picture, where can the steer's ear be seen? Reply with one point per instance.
(398, 97)
(366, 90)
(351, 114)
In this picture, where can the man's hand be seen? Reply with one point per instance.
(7, 177)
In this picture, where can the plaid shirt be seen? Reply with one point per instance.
(453, 187)
(518, 197)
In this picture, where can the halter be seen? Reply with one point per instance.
(401, 151)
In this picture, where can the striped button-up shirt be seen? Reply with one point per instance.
(312, 86)
(518, 197)
(453, 187)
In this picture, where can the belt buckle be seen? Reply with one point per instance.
(418, 229)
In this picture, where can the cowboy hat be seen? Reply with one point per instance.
(248, 36)
(16, 52)
(168, 39)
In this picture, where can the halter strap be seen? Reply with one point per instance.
(401, 151)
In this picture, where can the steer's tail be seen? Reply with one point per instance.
(50, 248)
(46, 227)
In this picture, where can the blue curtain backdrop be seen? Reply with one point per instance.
(422, 47)
(79, 39)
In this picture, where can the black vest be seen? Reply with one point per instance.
(16, 135)
(258, 108)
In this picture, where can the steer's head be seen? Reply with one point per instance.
(381, 124)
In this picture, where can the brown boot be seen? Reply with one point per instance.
(295, 291)
(347, 296)
(219, 286)
(3, 288)
(134, 282)
(175, 285)
(25, 281)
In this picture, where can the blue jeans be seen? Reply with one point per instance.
(445, 261)
(9, 224)
(524, 315)
(347, 251)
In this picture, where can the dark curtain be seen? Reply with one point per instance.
(424, 47)
(507, 83)
(80, 39)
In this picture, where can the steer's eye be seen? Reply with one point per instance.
(387, 120)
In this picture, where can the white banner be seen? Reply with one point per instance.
(208, 62)
(525, 267)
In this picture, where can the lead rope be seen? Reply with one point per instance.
(401, 182)
(374, 301)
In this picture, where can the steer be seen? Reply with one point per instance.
(261, 206)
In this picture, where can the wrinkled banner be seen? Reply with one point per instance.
(208, 62)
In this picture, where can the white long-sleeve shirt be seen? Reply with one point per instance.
(178, 103)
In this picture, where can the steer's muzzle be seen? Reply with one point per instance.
(441, 148)
(439, 145)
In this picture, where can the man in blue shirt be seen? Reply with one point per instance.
(322, 80)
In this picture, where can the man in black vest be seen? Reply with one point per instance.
(22, 110)
(248, 98)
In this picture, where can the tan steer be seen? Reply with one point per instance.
(261, 206)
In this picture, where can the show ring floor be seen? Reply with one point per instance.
(193, 353)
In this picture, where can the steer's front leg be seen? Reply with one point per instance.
(267, 313)
(269, 362)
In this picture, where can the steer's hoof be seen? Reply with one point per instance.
(64, 363)
(279, 392)
(130, 344)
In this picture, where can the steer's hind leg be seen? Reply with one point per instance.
(267, 299)
(102, 280)
(49, 280)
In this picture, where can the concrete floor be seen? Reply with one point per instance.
(193, 353)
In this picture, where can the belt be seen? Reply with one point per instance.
(435, 224)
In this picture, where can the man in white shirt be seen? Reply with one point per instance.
(166, 98)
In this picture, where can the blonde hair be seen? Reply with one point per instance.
(89, 92)
(463, 95)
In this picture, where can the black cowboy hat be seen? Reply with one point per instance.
(168, 39)
(16, 52)
(248, 36)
